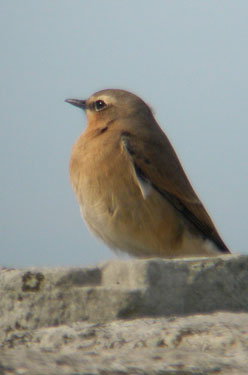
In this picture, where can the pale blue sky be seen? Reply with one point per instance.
(187, 59)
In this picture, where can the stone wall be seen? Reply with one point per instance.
(184, 316)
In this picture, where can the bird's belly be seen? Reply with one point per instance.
(125, 220)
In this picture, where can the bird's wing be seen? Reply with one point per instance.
(156, 163)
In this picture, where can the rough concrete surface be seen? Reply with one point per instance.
(126, 317)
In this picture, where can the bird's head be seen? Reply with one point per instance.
(112, 105)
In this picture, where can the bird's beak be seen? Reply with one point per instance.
(76, 102)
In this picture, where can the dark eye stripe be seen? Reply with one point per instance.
(91, 106)
(96, 106)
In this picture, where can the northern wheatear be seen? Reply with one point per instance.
(131, 188)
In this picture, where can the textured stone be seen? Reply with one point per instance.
(200, 344)
(95, 320)
(36, 298)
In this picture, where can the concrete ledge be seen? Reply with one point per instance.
(195, 345)
(81, 320)
(34, 298)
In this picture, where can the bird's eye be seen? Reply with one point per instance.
(99, 105)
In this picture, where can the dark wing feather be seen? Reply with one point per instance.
(167, 176)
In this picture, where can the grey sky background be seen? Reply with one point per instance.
(187, 59)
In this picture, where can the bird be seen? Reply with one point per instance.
(132, 190)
